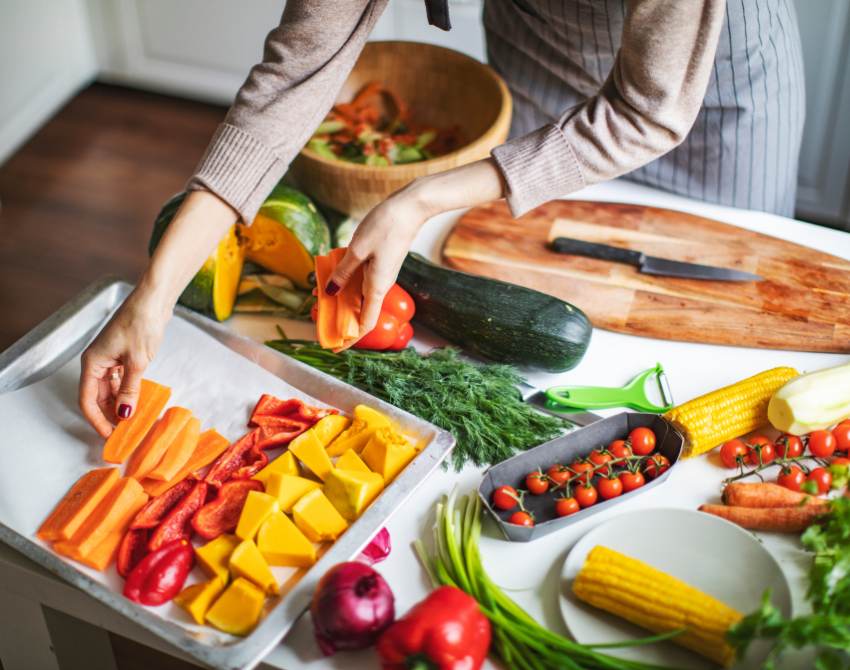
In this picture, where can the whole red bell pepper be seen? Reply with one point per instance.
(446, 631)
(221, 515)
(161, 574)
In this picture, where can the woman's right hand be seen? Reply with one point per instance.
(113, 364)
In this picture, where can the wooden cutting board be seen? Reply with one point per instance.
(803, 303)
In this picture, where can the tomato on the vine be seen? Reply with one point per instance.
(610, 487)
(599, 457)
(632, 481)
(619, 449)
(792, 477)
(642, 440)
(558, 474)
(586, 495)
(760, 450)
(566, 506)
(521, 518)
(789, 446)
(583, 471)
(841, 433)
(822, 443)
(505, 497)
(537, 483)
(733, 453)
(657, 465)
(822, 479)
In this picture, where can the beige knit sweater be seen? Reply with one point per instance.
(644, 109)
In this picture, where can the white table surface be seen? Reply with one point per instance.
(528, 572)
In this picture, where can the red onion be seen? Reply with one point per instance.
(378, 549)
(351, 607)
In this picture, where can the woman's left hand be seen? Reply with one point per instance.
(383, 238)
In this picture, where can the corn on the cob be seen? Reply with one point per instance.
(651, 599)
(731, 411)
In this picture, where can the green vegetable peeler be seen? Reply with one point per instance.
(633, 395)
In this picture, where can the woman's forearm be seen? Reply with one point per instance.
(199, 225)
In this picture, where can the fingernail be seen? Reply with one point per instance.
(124, 410)
(332, 288)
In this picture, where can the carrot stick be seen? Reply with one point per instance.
(178, 452)
(348, 304)
(129, 433)
(157, 441)
(210, 446)
(82, 498)
(777, 519)
(765, 494)
(326, 321)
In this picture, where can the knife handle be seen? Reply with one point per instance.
(604, 252)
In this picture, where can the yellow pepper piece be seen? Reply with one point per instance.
(366, 422)
(198, 598)
(311, 453)
(317, 517)
(238, 609)
(257, 508)
(214, 556)
(288, 489)
(285, 464)
(329, 427)
(281, 543)
(247, 561)
(387, 453)
(351, 491)
(351, 461)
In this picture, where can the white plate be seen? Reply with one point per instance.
(702, 550)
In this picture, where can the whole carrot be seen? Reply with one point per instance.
(765, 495)
(777, 519)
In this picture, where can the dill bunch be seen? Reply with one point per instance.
(477, 403)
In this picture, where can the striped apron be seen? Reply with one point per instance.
(743, 148)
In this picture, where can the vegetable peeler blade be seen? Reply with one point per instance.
(538, 398)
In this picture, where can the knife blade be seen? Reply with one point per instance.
(650, 265)
(538, 398)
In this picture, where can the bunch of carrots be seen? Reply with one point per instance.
(768, 507)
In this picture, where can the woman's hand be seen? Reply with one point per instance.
(113, 364)
(383, 238)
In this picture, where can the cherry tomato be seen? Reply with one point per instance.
(610, 487)
(536, 483)
(841, 433)
(822, 443)
(822, 478)
(789, 446)
(558, 474)
(760, 450)
(657, 465)
(521, 519)
(632, 481)
(405, 334)
(642, 440)
(599, 457)
(382, 336)
(586, 495)
(791, 477)
(619, 449)
(505, 497)
(583, 471)
(733, 453)
(566, 506)
(399, 303)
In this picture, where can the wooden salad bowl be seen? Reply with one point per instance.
(443, 88)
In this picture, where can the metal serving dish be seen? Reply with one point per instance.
(566, 449)
(64, 335)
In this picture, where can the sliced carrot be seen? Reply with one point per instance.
(178, 452)
(157, 441)
(210, 446)
(114, 513)
(348, 303)
(777, 519)
(81, 499)
(104, 553)
(129, 433)
(326, 320)
(765, 494)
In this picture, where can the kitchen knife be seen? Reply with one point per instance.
(649, 264)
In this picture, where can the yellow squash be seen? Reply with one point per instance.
(317, 518)
(329, 427)
(214, 556)
(387, 453)
(257, 508)
(351, 491)
(288, 489)
(366, 422)
(309, 450)
(247, 561)
(351, 461)
(285, 464)
(238, 609)
(281, 543)
(198, 598)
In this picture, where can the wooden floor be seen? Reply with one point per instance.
(78, 200)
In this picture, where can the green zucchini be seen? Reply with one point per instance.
(501, 321)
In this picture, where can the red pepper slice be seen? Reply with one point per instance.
(232, 459)
(222, 514)
(161, 574)
(253, 460)
(155, 510)
(280, 431)
(133, 548)
(177, 525)
(270, 408)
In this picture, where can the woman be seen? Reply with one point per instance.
(698, 97)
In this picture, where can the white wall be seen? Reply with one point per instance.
(46, 56)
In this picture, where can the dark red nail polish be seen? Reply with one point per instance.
(124, 410)
(332, 288)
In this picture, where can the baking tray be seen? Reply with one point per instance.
(566, 449)
(62, 337)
